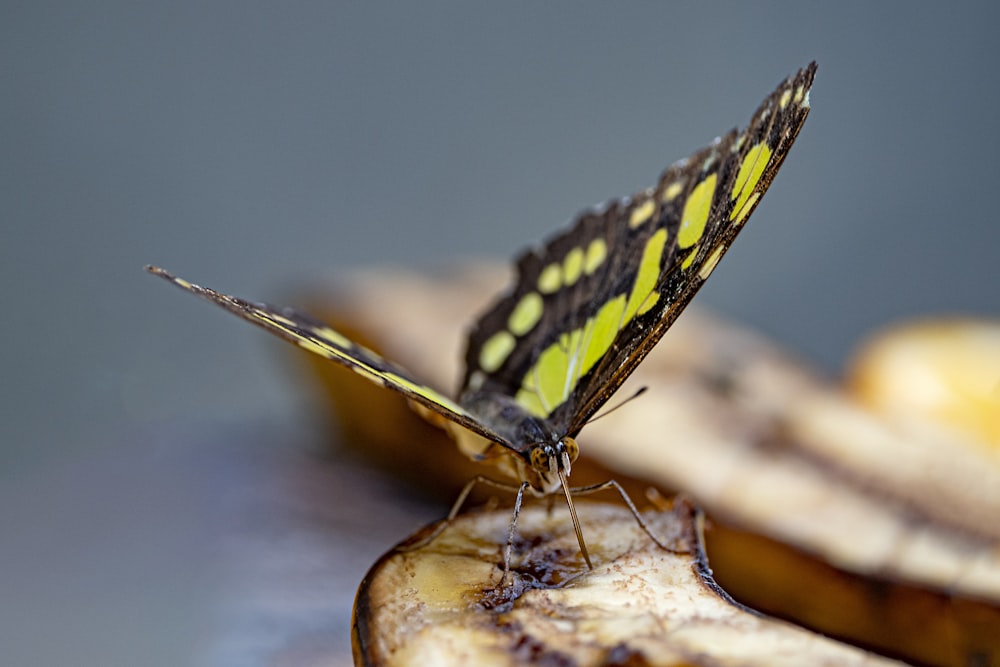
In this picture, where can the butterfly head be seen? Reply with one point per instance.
(552, 460)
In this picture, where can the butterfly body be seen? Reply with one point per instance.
(537, 448)
(585, 307)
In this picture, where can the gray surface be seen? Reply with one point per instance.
(251, 146)
(204, 546)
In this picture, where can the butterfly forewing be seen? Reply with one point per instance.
(318, 338)
(589, 304)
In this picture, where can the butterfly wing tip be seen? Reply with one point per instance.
(162, 273)
(808, 73)
(166, 275)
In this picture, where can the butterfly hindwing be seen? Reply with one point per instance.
(318, 338)
(589, 304)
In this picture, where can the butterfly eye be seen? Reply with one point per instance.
(572, 449)
(539, 460)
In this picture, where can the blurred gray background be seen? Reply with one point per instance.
(255, 146)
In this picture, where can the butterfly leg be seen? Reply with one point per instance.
(456, 508)
(510, 534)
(586, 490)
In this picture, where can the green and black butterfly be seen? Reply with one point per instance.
(585, 309)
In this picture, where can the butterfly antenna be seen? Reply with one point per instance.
(576, 520)
(638, 392)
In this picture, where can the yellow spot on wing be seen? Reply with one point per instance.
(648, 273)
(689, 260)
(428, 393)
(696, 210)
(786, 97)
(530, 400)
(369, 374)
(597, 251)
(745, 211)
(600, 331)
(314, 347)
(648, 304)
(706, 269)
(642, 213)
(495, 350)
(550, 279)
(526, 314)
(673, 190)
(279, 319)
(335, 337)
(751, 169)
(359, 361)
(572, 266)
(529, 396)
(556, 370)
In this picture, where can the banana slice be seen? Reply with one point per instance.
(641, 604)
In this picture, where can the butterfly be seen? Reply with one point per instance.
(585, 308)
